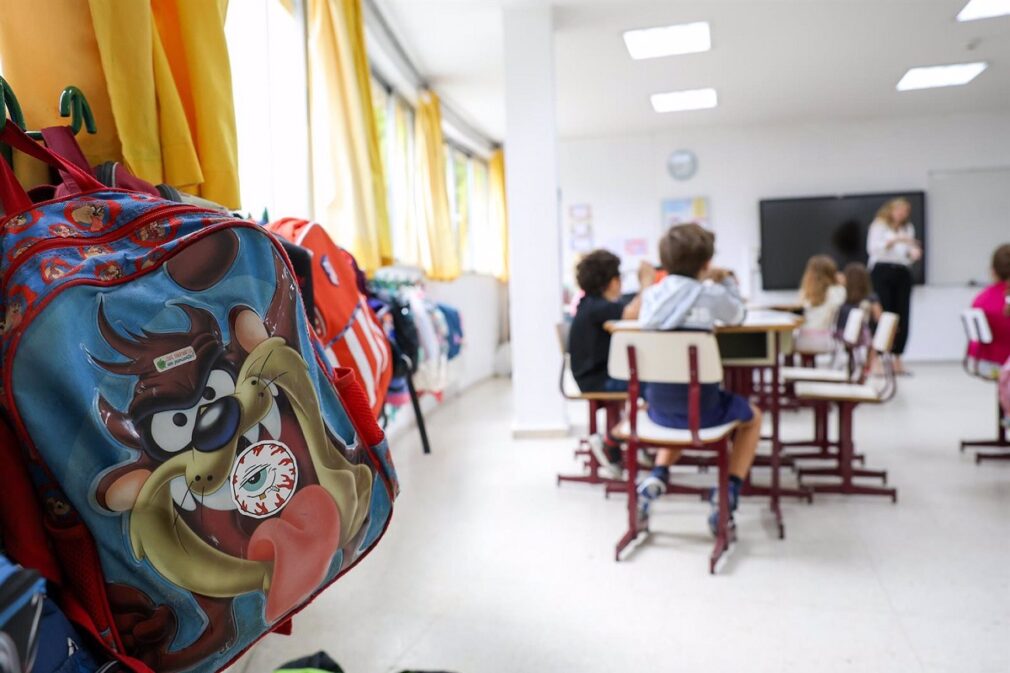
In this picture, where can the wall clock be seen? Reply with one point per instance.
(682, 164)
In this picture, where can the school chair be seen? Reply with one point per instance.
(597, 401)
(852, 339)
(809, 352)
(690, 358)
(846, 397)
(976, 328)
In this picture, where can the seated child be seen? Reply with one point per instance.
(821, 295)
(599, 276)
(694, 296)
(995, 302)
(858, 294)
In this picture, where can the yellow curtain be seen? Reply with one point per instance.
(192, 33)
(38, 74)
(438, 250)
(378, 179)
(155, 74)
(499, 210)
(169, 81)
(349, 188)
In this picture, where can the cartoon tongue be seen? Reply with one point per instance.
(300, 544)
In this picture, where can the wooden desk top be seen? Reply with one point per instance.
(788, 307)
(755, 322)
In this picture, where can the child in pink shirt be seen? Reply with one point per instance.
(995, 302)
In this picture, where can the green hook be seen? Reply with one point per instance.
(73, 104)
(9, 104)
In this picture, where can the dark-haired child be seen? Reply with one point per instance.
(695, 296)
(599, 276)
(858, 294)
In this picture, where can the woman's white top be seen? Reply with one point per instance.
(880, 234)
(822, 316)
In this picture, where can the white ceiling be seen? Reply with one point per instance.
(772, 61)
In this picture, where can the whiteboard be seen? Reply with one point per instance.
(969, 216)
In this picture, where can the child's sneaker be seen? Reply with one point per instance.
(713, 499)
(649, 489)
(607, 469)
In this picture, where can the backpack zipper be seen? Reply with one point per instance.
(69, 241)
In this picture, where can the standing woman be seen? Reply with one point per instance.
(893, 249)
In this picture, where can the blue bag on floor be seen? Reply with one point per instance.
(21, 595)
(455, 323)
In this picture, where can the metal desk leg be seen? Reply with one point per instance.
(776, 442)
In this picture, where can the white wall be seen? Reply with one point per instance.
(624, 180)
(477, 298)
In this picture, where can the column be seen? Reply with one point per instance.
(531, 175)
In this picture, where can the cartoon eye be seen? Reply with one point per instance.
(219, 384)
(256, 482)
(172, 430)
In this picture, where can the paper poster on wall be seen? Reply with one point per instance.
(580, 228)
(636, 247)
(681, 211)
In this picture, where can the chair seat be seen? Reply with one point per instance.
(598, 397)
(837, 392)
(650, 432)
(813, 374)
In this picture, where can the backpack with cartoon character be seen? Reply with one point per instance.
(350, 332)
(204, 472)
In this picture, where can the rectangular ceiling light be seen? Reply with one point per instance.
(932, 76)
(983, 9)
(685, 38)
(680, 101)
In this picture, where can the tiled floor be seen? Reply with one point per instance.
(488, 567)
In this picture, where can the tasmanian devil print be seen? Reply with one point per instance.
(237, 485)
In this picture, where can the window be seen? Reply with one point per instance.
(266, 47)
(465, 178)
(467, 184)
(400, 182)
(481, 239)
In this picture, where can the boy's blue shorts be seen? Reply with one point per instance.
(668, 405)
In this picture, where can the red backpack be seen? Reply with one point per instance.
(347, 326)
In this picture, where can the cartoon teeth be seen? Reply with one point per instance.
(271, 423)
(269, 427)
(181, 495)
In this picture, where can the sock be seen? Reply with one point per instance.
(661, 472)
(735, 484)
(613, 449)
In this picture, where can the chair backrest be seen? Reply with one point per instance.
(883, 337)
(563, 330)
(976, 325)
(568, 385)
(853, 332)
(662, 357)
